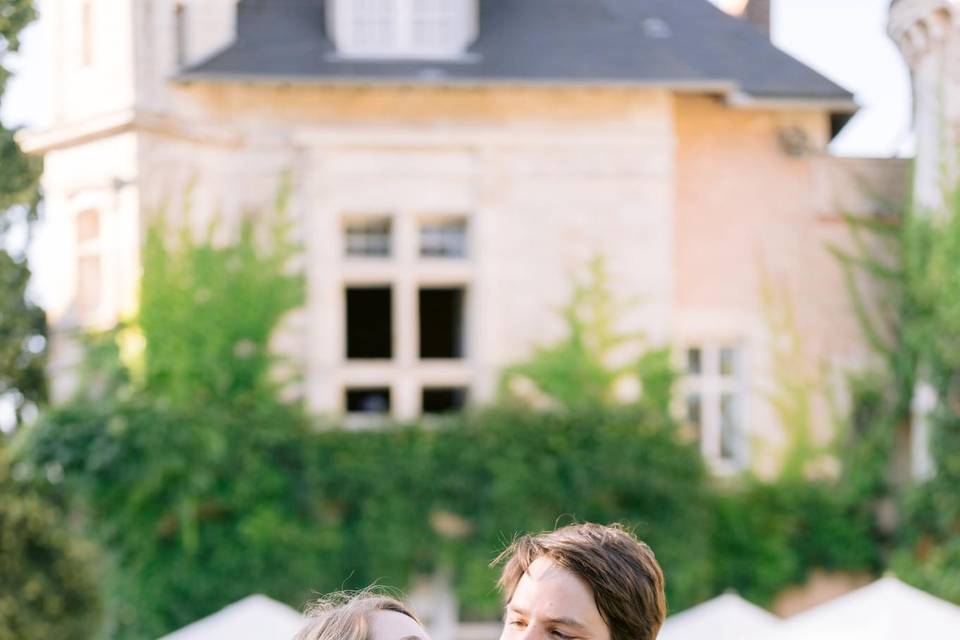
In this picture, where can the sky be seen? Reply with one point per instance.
(844, 40)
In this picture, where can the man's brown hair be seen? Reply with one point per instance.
(622, 572)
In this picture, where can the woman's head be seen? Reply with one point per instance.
(365, 615)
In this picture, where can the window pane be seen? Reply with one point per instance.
(88, 283)
(368, 238)
(728, 361)
(433, 23)
(443, 399)
(369, 323)
(181, 26)
(695, 413)
(441, 323)
(729, 426)
(373, 400)
(88, 225)
(374, 24)
(447, 239)
(694, 362)
(86, 33)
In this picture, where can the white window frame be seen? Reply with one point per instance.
(712, 386)
(403, 17)
(406, 273)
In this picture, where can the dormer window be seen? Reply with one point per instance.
(402, 28)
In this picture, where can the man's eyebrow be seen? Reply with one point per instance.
(566, 622)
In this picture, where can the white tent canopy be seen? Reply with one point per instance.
(253, 618)
(727, 617)
(885, 610)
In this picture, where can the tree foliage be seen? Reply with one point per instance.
(22, 323)
(47, 589)
(46, 585)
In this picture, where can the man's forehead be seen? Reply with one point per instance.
(546, 584)
(549, 593)
(545, 568)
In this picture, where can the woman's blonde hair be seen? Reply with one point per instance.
(344, 615)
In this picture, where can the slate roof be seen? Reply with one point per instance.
(676, 43)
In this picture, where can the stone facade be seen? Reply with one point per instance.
(698, 205)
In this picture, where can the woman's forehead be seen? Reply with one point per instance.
(392, 625)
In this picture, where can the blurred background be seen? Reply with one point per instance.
(304, 295)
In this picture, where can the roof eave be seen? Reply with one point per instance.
(839, 104)
(207, 77)
(731, 92)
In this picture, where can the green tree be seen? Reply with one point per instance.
(46, 587)
(22, 324)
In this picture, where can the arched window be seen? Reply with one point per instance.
(403, 28)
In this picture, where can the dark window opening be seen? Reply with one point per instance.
(373, 400)
(369, 323)
(441, 323)
(444, 400)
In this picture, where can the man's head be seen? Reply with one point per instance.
(582, 582)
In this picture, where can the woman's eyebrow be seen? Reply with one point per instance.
(411, 638)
